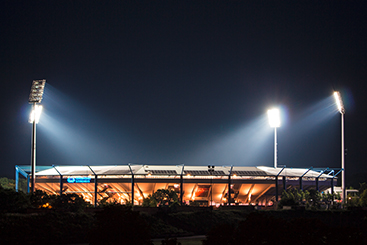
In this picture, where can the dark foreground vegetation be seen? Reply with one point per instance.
(121, 225)
(293, 227)
(67, 219)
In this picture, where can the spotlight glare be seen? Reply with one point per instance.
(274, 118)
(339, 102)
(35, 114)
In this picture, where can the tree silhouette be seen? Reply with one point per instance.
(162, 197)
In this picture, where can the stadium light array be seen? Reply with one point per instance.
(341, 109)
(35, 97)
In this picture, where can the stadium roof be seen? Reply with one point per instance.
(138, 169)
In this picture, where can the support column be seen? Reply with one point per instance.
(16, 179)
(276, 189)
(132, 190)
(61, 184)
(284, 183)
(317, 184)
(132, 185)
(317, 179)
(61, 187)
(181, 190)
(276, 183)
(229, 190)
(95, 185)
(181, 185)
(229, 186)
(300, 183)
(22, 172)
(28, 187)
(95, 190)
(300, 178)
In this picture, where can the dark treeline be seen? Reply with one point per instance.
(67, 219)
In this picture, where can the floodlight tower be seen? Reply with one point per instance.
(35, 97)
(274, 121)
(341, 109)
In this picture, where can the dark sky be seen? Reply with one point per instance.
(172, 82)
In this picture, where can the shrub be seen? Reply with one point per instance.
(12, 201)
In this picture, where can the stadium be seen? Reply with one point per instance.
(195, 185)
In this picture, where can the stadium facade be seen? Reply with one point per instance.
(195, 185)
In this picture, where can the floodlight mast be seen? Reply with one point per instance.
(35, 97)
(341, 109)
(274, 121)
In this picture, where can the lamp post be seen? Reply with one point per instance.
(341, 109)
(35, 97)
(274, 121)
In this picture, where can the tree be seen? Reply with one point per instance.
(162, 197)
(40, 199)
(7, 183)
(65, 202)
(69, 202)
(12, 201)
(362, 187)
(313, 198)
(291, 197)
(10, 184)
(363, 199)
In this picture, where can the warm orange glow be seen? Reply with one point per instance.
(46, 205)
(242, 193)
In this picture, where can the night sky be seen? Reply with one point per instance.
(184, 82)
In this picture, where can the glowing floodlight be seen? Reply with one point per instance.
(339, 102)
(35, 114)
(35, 97)
(341, 109)
(274, 118)
(274, 121)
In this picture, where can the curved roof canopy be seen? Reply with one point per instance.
(187, 170)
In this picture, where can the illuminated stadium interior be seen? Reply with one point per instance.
(199, 185)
